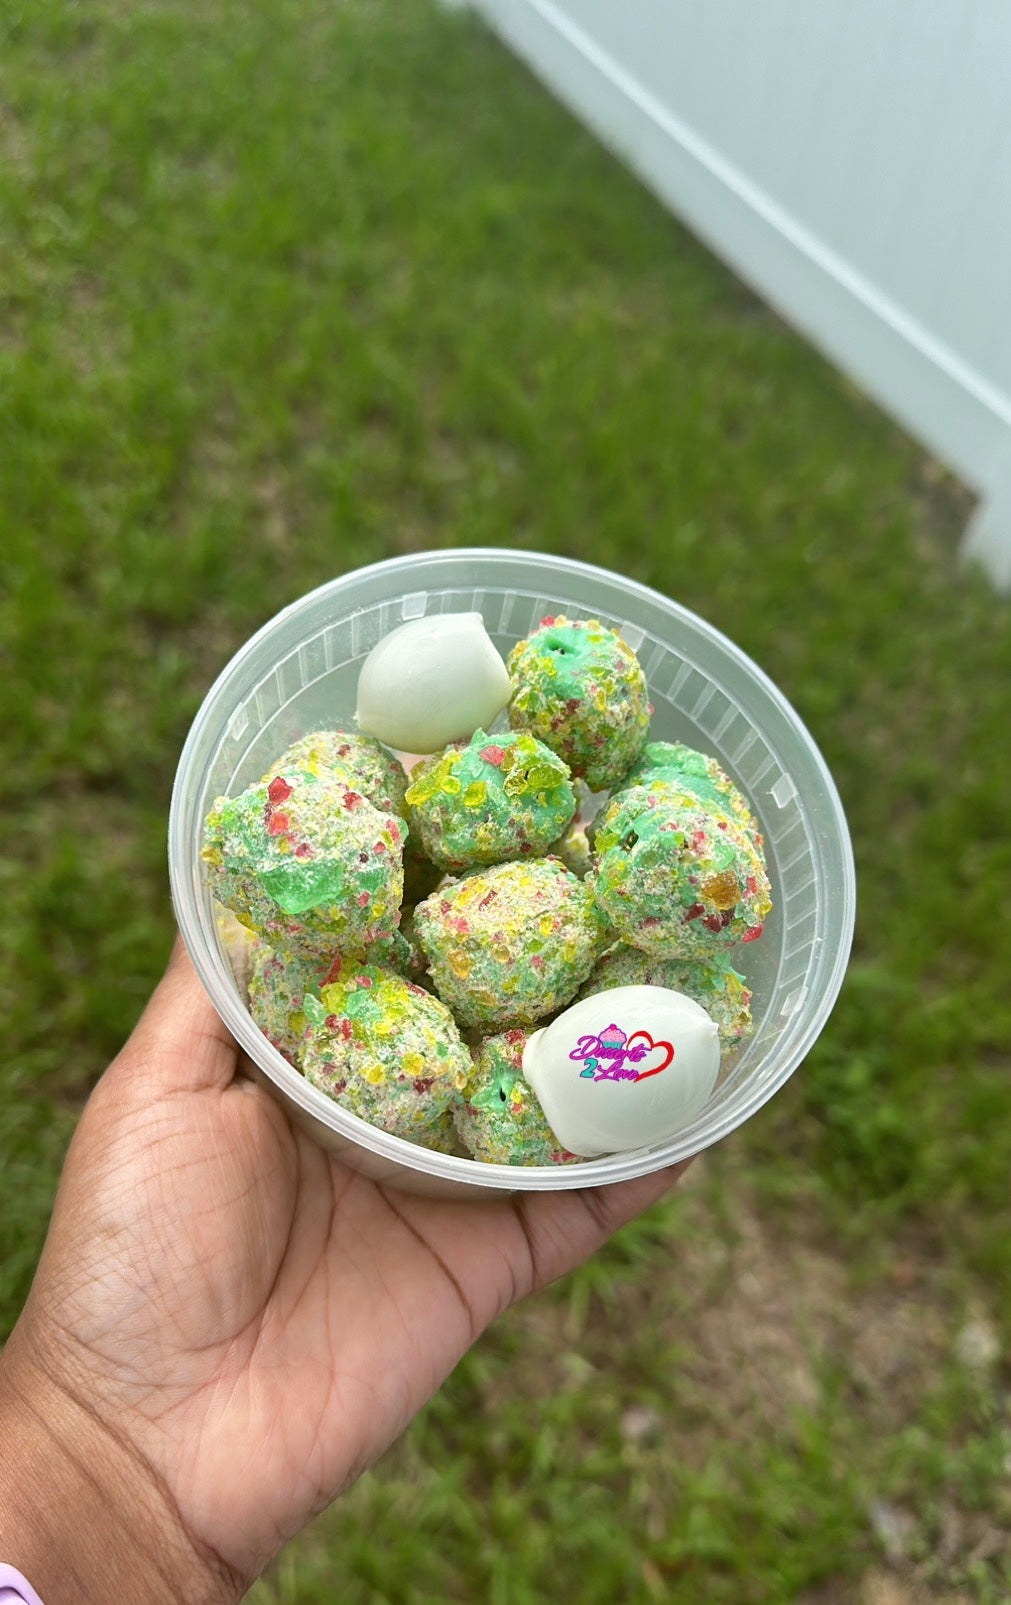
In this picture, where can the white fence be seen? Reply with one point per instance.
(851, 159)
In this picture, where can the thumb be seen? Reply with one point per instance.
(564, 1228)
(180, 1042)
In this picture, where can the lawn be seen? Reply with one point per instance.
(296, 286)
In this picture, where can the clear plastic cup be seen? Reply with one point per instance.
(299, 673)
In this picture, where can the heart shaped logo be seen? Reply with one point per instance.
(667, 1048)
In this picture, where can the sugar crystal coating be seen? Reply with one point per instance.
(580, 689)
(385, 1049)
(510, 944)
(281, 977)
(364, 763)
(361, 761)
(304, 859)
(677, 878)
(711, 982)
(490, 799)
(277, 986)
(498, 1117)
(697, 772)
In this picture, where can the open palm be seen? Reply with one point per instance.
(258, 1320)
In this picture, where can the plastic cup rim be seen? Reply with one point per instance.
(608, 1170)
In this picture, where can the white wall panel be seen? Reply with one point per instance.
(851, 159)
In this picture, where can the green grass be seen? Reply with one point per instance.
(300, 285)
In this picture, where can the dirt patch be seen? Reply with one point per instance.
(944, 507)
(771, 1342)
(767, 1322)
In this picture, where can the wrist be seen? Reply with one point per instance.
(82, 1515)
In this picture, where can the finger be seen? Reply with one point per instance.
(564, 1228)
(180, 1041)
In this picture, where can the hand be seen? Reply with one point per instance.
(227, 1325)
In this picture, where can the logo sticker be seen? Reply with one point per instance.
(613, 1056)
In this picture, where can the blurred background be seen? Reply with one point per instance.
(298, 286)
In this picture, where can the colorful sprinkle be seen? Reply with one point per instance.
(487, 975)
(580, 689)
(711, 982)
(499, 1119)
(396, 1032)
(308, 874)
(515, 802)
(669, 881)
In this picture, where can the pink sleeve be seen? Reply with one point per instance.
(15, 1589)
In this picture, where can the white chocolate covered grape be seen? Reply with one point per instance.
(623, 1069)
(432, 681)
